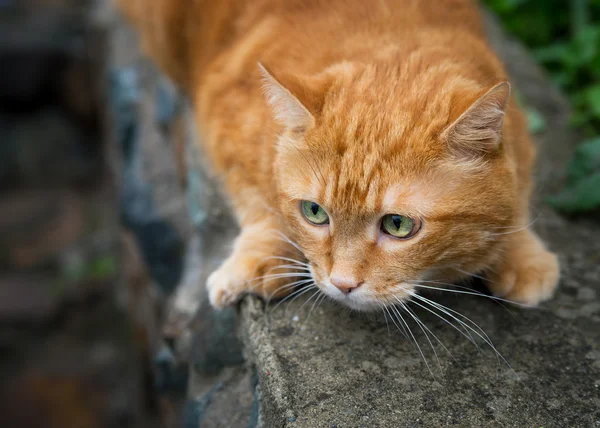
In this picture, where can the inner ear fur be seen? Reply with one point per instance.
(478, 129)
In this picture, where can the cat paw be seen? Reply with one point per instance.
(254, 267)
(535, 282)
(225, 287)
(267, 280)
(529, 278)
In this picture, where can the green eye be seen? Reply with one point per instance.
(314, 213)
(399, 226)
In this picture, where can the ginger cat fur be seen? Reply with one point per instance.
(367, 147)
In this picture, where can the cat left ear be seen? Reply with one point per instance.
(478, 129)
(287, 107)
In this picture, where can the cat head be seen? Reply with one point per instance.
(385, 182)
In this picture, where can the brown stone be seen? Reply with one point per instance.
(38, 400)
(35, 226)
(27, 298)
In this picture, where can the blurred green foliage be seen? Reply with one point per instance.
(101, 267)
(582, 192)
(564, 36)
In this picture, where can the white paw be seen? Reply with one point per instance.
(224, 287)
(536, 282)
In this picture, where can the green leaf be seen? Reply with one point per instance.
(581, 197)
(582, 192)
(102, 268)
(536, 123)
(553, 53)
(580, 118)
(593, 99)
(585, 162)
(594, 68)
(586, 43)
(563, 78)
(505, 6)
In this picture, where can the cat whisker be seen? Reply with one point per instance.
(321, 301)
(303, 284)
(385, 318)
(279, 235)
(449, 312)
(401, 319)
(519, 229)
(287, 269)
(519, 226)
(293, 284)
(493, 298)
(286, 286)
(316, 293)
(272, 277)
(405, 328)
(419, 324)
(471, 292)
(282, 236)
(467, 334)
(321, 298)
(304, 289)
(423, 326)
(435, 337)
(469, 273)
(295, 267)
(470, 324)
(401, 330)
(467, 327)
(460, 328)
(313, 286)
(288, 273)
(287, 259)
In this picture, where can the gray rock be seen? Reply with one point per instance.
(231, 403)
(46, 149)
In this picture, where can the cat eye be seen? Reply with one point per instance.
(314, 213)
(400, 226)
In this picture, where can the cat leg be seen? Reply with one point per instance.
(528, 273)
(254, 266)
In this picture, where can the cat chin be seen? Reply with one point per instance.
(362, 305)
(356, 302)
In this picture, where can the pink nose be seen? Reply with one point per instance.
(345, 284)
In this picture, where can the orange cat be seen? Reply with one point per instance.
(378, 138)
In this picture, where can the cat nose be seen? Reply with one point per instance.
(345, 284)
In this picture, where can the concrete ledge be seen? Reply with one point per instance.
(344, 369)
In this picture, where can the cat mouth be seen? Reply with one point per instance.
(360, 304)
(360, 299)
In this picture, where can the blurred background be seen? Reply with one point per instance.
(564, 38)
(84, 275)
(72, 354)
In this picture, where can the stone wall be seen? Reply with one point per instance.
(70, 355)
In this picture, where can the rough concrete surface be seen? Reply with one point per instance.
(335, 368)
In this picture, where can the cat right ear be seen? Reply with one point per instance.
(284, 94)
(478, 129)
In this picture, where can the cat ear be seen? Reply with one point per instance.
(284, 95)
(478, 129)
